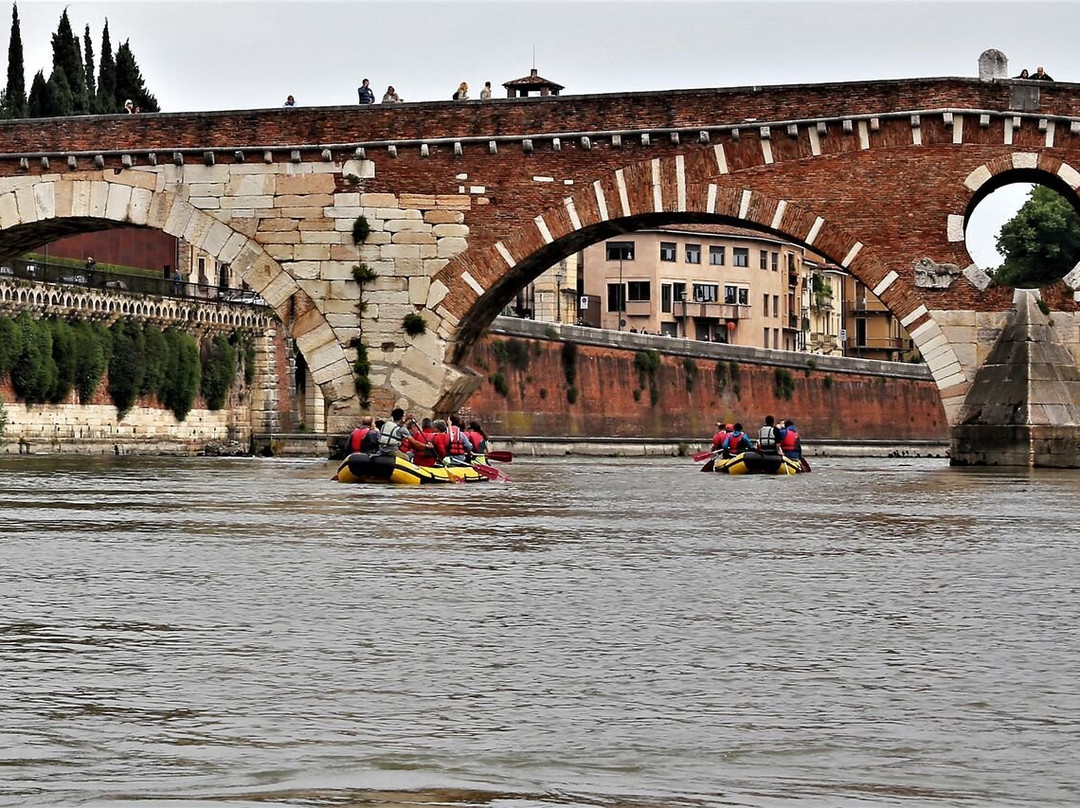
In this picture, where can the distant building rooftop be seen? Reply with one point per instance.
(530, 83)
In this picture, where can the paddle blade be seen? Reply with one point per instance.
(703, 456)
(490, 472)
(804, 465)
(709, 466)
(501, 456)
(334, 479)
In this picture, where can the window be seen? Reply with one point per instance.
(665, 298)
(615, 299)
(731, 295)
(705, 292)
(620, 250)
(678, 291)
(764, 305)
(740, 257)
(763, 259)
(776, 337)
(776, 305)
(716, 256)
(765, 339)
(637, 291)
(667, 250)
(744, 296)
(693, 253)
(775, 261)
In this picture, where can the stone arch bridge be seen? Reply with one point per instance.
(469, 201)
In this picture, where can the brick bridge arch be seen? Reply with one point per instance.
(468, 200)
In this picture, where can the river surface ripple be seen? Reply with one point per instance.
(223, 632)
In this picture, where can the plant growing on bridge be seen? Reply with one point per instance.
(360, 230)
(414, 324)
(361, 369)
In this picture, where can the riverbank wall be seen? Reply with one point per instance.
(569, 382)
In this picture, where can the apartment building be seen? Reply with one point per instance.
(715, 283)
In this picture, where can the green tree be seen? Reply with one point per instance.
(1041, 243)
(40, 103)
(129, 81)
(13, 104)
(88, 71)
(218, 371)
(69, 68)
(106, 84)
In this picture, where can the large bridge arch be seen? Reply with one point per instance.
(683, 189)
(36, 210)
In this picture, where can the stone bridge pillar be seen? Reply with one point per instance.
(1023, 408)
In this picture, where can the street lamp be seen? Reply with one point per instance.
(622, 289)
(559, 278)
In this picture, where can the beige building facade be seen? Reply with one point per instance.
(713, 283)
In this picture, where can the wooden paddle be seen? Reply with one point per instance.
(804, 465)
(709, 465)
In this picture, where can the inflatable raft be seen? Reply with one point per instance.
(361, 467)
(757, 463)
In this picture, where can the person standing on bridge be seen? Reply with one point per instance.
(1041, 75)
(462, 92)
(391, 96)
(290, 101)
(90, 263)
(485, 93)
(367, 95)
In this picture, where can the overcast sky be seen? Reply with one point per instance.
(198, 55)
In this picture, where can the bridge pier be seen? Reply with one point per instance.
(1023, 408)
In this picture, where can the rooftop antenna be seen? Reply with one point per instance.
(534, 57)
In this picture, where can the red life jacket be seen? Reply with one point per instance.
(736, 442)
(357, 437)
(718, 439)
(477, 440)
(457, 447)
(422, 455)
(787, 443)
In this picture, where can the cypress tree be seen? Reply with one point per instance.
(106, 85)
(88, 72)
(14, 102)
(129, 81)
(68, 62)
(40, 102)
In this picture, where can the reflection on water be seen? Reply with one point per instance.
(231, 631)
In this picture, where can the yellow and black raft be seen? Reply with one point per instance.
(396, 469)
(758, 463)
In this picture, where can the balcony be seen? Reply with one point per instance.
(710, 311)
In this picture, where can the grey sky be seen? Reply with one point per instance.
(199, 55)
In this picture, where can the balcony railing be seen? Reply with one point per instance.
(40, 272)
(711, 311)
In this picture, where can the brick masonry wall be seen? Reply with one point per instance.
(471, 200)
(613, 403)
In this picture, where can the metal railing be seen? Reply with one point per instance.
(42, 272)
